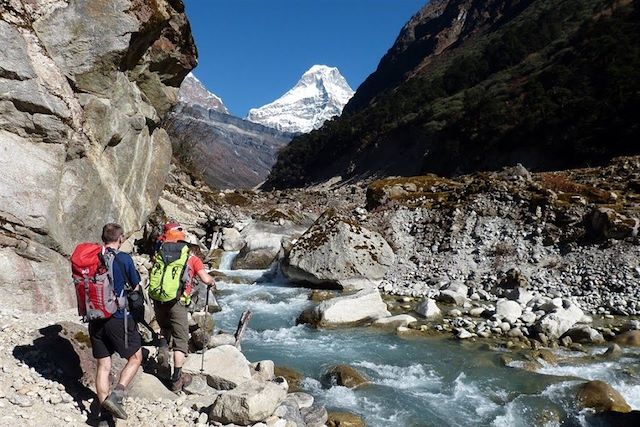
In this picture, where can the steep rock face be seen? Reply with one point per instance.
(227, 151)
(193, 92)
(472, 86)
(83, 87)
(320, 94)
(436, 27)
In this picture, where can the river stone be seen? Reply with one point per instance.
(614, 351)
(249, 403)
(602, 397)
(508, 310)
(315, 416)
(225, 367)
(346, 376)
(337, 252)
(555, 324)
(630, 338)
(290, 412)
(429, 309)
(344, 419)
(585, 334)
(303, 400)
(453, 293)
(394, 321)
(263, 370)
(292, 377)
(519, 295)
(362, 307)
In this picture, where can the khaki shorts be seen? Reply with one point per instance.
(174, 323)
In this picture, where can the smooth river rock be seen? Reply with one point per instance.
(360, 308)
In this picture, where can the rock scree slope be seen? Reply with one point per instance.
(81, 103)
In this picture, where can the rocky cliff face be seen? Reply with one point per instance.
(228, 152)
(439, 25)
(321, 94)
(83, 87)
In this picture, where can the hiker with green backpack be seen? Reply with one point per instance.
(170, 287)
(104, 279)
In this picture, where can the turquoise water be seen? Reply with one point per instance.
(416, 381)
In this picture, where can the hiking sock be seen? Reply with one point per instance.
(176, 374)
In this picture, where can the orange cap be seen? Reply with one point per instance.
(173, 236)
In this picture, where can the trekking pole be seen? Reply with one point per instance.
(206, 313)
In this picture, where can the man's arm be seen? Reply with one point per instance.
(206, 278)
(132, 272)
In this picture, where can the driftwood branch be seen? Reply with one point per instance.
(242, 326)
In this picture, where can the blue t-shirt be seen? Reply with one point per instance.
(123, 261)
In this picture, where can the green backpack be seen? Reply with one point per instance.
(170, 273)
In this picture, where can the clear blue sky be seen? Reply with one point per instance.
(253, 51)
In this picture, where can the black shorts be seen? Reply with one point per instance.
(107, 337)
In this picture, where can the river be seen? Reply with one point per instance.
(417, 382)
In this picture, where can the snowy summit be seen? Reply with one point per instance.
(321, 94)
(192, 91)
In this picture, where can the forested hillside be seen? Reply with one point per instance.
(551, 84)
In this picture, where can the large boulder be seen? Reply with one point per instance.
(231, 239)
(84, 86)
(360, 308)
(556, 323)
(149, 387)
(606, 223)
(602, 397)
(225, 367)
(263, 245)
(249, 403)
(338, 252)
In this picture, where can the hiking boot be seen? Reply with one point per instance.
(113, 404)
(106, 420)
(184, 380)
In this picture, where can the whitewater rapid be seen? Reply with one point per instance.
(415, 381)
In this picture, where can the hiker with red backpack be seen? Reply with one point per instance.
(103, 277)
(170, 285)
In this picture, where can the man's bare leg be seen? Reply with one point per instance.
(130, 369)
(102, 378)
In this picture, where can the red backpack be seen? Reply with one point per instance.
(91, 269)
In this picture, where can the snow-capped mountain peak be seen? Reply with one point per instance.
(320, 94)
(192, 91)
